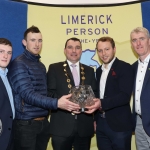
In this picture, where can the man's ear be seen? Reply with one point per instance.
(115, 49)
(64, 51)
(24, 42)
(149, 41)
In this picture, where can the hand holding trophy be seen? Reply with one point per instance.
(82, 95)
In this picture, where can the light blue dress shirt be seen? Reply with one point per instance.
(3, 74)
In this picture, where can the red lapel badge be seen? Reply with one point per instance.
(113, 72)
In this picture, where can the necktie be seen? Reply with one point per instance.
(75, 75)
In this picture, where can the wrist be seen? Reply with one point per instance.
(100, 108)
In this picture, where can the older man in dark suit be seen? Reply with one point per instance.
(140, 41)
(115, 83)
(7, 111)
(67, 128)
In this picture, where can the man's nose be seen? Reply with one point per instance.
(37, 43)
(104, 52)
(5, 55)
(138, 42)
(73, 49)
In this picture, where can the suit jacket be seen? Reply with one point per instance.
(145, 101)
(6, 117)
(61, 121)
(116, 101)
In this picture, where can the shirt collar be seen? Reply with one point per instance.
(109, 65)
(70, 63)
(3, 72)
(146, 60)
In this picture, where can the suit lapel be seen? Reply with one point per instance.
(3, 88)
(135, 75)
(147, 76)
(113, 67)
(98, 75)
(111, 73)
(135, 68)
(69, 73)
(82, 75)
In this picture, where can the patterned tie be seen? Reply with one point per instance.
(75, 74)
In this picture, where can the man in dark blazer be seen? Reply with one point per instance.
(114, 83)
(6, 98)
(140, 42)
(67, 128)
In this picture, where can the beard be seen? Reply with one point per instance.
(109, 60)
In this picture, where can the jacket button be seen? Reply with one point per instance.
(10, 116)
(9, 128)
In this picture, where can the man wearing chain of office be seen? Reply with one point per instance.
(71, 128)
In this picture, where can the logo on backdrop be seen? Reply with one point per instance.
(87, 58)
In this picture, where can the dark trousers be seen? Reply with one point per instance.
(107, 139)
(73, 141)
(31, 134)
(10, 144)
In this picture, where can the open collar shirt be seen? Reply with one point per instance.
(142, 67)
(103, 77)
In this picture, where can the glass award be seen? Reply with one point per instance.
(82, 95)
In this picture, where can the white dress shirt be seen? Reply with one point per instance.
(103, 77)
(142, 67)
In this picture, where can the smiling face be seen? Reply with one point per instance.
(105, 51)
(5, 55)
(140, 43)
(73, 51)
(33, 42)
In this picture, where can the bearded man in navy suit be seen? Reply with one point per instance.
(140, 42)
(115, 84)
(7, 111)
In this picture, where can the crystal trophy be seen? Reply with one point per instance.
(82, 95)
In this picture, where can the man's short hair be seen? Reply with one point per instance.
(32, 29)
(106, 39)
(74, 39)
(5, 41)
(140, 29)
